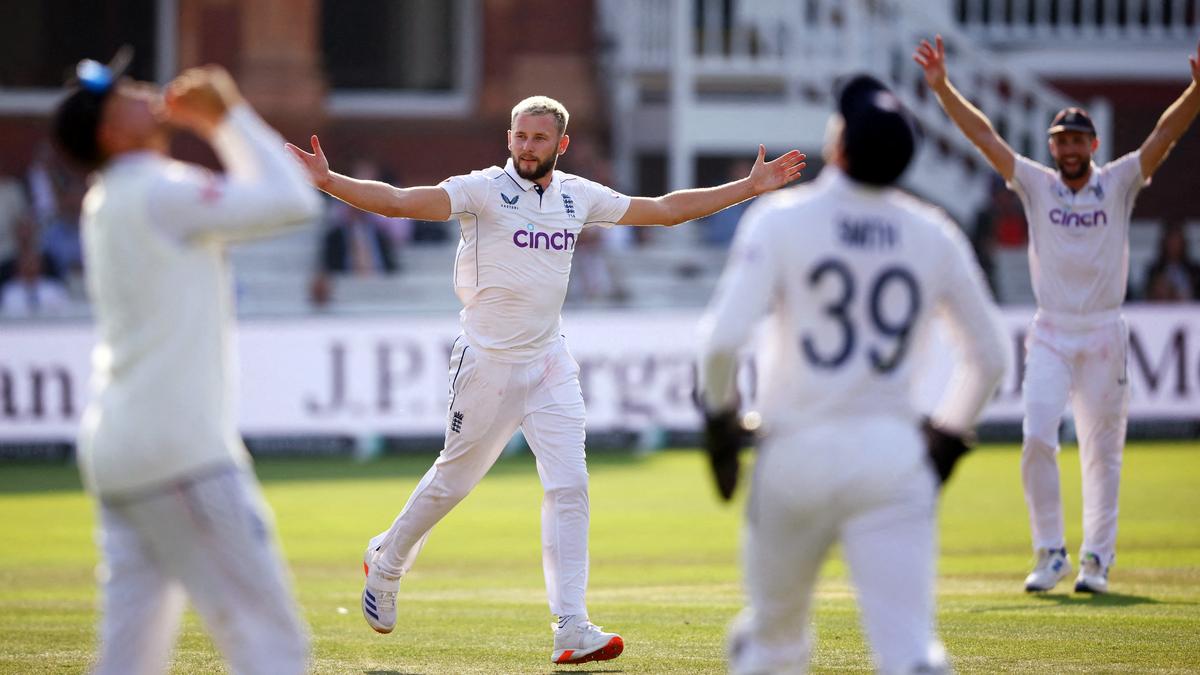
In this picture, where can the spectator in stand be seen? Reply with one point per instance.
(358, 243)
(29, 285)
(1173, 276)
(57, 193)
(13, 204)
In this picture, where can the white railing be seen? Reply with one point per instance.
(785, 55)
(1079, 21)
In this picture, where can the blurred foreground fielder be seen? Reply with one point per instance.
(181, 515)
(850, 272)
(1077, 348)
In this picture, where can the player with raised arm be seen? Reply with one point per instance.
(510, 366)
(850, 273)
(1077, 346)
(181, 515)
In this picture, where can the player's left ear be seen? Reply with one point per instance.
(1095, 144)
(563, 143)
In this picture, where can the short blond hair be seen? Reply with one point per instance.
(542, 105)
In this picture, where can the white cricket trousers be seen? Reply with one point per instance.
(489, 400)
(863, 482)
(208, 538)
(1083, 359)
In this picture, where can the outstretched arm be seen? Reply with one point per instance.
(1174, 121)
(684, 205)
(421, 203)
(971, 120)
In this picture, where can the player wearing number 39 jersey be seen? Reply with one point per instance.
(850, 273)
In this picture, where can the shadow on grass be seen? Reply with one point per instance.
(27, 477)
(1076, 600)
(1101, 600)
(387, 672)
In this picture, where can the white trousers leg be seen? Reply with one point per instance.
(554, 427)
(1101, 406)
(140, 604)
(213, 537)
(865, 482)
(892, 551)
(486, 406)
(1045, 390)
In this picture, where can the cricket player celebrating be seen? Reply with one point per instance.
(181, 515)
(1077, 346)
(510, 367)
(850, 272)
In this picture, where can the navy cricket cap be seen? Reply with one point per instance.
(880, 136)
(78, 115)
(1071, 119)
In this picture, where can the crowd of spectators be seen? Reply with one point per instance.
(41, 257)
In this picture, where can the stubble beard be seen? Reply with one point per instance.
(1085, 163)
(538, 171)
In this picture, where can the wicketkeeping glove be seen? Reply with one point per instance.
(944, 449)
(723, 437)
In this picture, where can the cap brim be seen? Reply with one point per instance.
(1059, 128)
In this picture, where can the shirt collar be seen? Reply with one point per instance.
(132, 157)
(832, 177)
(527, 185)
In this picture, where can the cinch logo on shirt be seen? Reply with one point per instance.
(1072, 219)
(531, 238)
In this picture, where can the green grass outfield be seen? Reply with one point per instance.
(664, 571)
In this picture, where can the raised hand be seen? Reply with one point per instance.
(314, 162)
(199, 98)
(933, 61)
(767, 176)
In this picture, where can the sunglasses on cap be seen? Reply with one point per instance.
(98, 78)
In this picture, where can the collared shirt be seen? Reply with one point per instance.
(514, 254)
(849, 277)
(1079, 241)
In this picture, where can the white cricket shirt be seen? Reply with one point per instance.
(514, 254)
(163, 369)
(850, 276)
(1079, 241)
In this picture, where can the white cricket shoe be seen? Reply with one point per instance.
(1053, 565)
(379, 594)
(1093, 575)
(580, 641)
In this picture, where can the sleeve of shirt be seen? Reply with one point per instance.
(606, 206)
(262, 191)
(743, 297)
(1025, 174)
(974, 326)
(468, 192)
(1126, 174)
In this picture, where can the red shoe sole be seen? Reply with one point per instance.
(609, 651)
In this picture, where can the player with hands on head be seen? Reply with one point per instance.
(510, 367)
(180, 513)
(849, 272)
(1076, 350)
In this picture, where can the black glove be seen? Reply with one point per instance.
(723, 436)
(944, 449)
